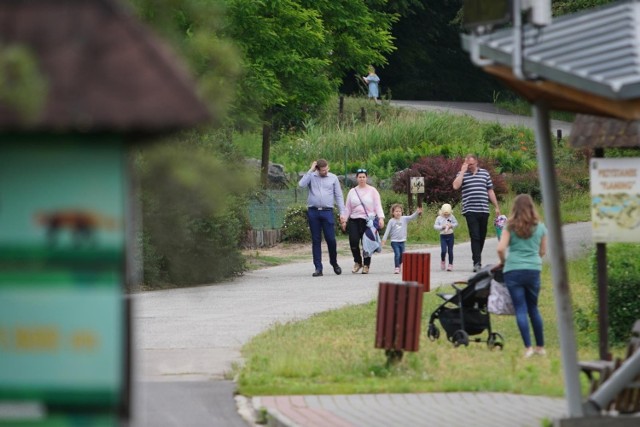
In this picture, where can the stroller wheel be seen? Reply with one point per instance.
(495, 340)
(460, 337)
(433, 333)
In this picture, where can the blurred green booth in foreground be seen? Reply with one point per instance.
(82, 82)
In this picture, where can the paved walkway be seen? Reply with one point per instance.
(484, 112)
(417, 409)
(195, 335)
(432, 409)
(427, 409)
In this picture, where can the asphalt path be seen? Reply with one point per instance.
(186, 341)
(484, 112)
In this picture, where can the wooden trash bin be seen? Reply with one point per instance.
(416, 267)
(398, 318)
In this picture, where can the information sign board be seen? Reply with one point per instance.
(615, 199)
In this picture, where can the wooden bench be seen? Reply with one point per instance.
(627, 401)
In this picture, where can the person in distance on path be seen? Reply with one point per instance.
(363, 204)
(324, 192)
(397, 231)
(477, 192)
(521, 247)
(444, 224)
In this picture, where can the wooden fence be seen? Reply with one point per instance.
(262, 238)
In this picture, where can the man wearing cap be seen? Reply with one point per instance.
(477, 191)
(324, 193)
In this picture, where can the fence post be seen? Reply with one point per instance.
(409, 195)
(345, 166)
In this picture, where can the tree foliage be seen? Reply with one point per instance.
(284, 57)
(193, 28)
(22, 85)
(193, 211)
(358, 33)
(295, 52)
(192, 182)
(562, 7)
(429, 62)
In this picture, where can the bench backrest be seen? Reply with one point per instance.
(628, 400)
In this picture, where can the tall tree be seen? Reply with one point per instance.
(285, 62)
(295, 52)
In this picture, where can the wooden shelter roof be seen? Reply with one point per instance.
(103, 70)
(604, 132)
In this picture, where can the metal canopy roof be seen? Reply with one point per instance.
(595, 51)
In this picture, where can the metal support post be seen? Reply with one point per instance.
(557, 257)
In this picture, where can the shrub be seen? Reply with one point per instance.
(390, 198)
(153, 264)
(392, 160)
(623, 276)
(439, 173)
(526, 183)
(514, 161)
(573, 179)
(495, 135)
(210, 251)
(295, 228)
(197, 249)
(193, 211)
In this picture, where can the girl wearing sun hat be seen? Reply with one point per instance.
(445, 223)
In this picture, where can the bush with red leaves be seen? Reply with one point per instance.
(439, 173)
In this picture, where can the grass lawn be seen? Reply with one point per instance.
(333, 353)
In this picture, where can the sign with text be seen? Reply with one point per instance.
(417, 185)
(615, 199)
(62, 247)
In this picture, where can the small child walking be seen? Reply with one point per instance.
(445, 223)
(397, 229)
(499, 224)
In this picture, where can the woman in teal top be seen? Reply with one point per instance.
(525, 237)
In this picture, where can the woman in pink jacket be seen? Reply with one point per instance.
(363, 203)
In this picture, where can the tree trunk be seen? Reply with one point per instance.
(266, 148)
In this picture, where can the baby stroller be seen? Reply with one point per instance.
(465, 313)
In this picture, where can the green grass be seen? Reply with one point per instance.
(333, 353)
(387, 139)
(522, 107)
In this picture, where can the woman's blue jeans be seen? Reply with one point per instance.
(524, 287)
(398, 250)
